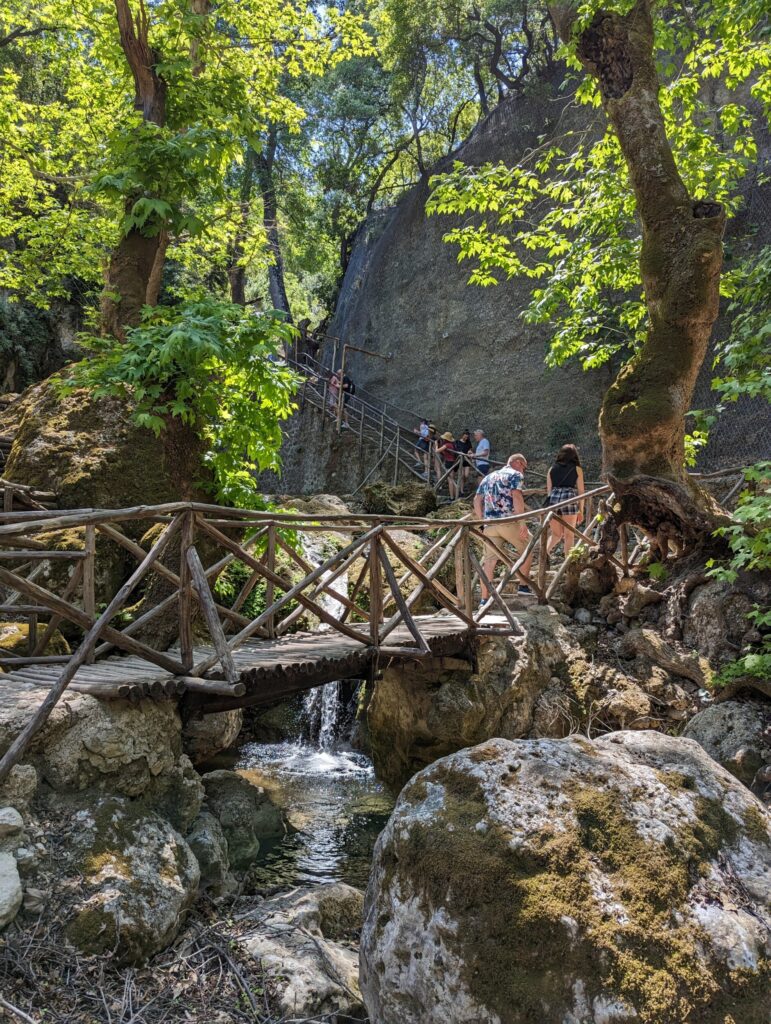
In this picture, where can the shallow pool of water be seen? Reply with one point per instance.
(335, 806)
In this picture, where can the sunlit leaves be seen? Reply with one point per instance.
(212, 364)
(566, 214)
(79, 166)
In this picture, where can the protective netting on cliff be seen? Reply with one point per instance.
(741, 436)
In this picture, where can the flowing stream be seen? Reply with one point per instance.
(333, 802)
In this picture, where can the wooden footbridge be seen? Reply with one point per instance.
(374, 600)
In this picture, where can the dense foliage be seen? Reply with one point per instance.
(216, 366)
(565, 215)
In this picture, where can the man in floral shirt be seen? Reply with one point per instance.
(498, 496)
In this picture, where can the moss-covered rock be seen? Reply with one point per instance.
(406, 499)
(624, 880)
(14, 638)
(91, 454)
(138, 879)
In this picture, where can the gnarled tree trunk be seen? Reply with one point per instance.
(133, 275)
(642, 422)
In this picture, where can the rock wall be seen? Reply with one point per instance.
(316, 459)
(462, 355)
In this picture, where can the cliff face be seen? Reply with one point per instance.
(461, 355)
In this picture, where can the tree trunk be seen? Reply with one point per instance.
(276, 287)
(642, 422)
(236, 271)
(133, 262)
(128, 280)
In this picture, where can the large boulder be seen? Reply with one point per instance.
(139, 878)
(245, 812)
(737, 734)
(571, 882)
(113, 745)
(208, 735)
(91, 454)
(307, 945)
(206, 839)
(421, 712)
(406, 499)
(715, 621)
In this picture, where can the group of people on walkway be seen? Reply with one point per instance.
(499, 496)
(453, 459)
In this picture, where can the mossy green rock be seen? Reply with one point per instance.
(556, 881)
(139, 878)
(91, 454)
(407, 499)
(14, 638)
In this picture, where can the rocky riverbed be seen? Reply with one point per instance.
(581, 837)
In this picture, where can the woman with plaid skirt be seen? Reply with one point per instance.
(565, 480)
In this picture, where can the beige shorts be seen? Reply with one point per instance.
(504, 531)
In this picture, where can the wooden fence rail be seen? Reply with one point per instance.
(367, 587)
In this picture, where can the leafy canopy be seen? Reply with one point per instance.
(565, 215)
(81, 166)
(216, 366)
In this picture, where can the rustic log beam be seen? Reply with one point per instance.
(209, 608)
(401, 603)
(16, 750)
(68, 611)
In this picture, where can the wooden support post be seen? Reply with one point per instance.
(8, 495)
(216, 631)
(375, 591)
(31, 633)
(89, 577)
(396, 455)
(270, 564)
(543, 561)
(16, 750)
(53, 623)
(185, 593)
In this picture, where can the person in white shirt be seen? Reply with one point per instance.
(481, 454)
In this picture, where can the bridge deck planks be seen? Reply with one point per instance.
(270, 669)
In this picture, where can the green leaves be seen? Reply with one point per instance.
(216, 366)
(565, 215)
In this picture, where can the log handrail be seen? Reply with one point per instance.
(392, 579)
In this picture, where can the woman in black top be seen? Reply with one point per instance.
(463, 447)
(565, 480)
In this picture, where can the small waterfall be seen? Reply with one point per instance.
(322, 704)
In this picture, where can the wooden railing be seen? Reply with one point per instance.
(372, 577)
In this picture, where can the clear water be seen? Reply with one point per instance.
(335, 807)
